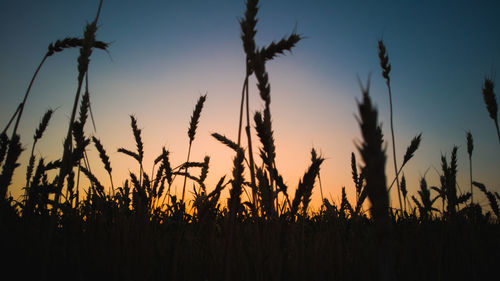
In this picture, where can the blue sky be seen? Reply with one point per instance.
(164, 54)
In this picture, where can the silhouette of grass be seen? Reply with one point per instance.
(141, 229)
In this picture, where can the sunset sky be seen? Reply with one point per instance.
(165, 54)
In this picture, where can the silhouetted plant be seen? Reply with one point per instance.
(425, 204)
(193, 124)
(470, 148)
(491, 198)
(491, 102)
(386, 69)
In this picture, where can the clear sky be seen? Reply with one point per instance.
(165, 54)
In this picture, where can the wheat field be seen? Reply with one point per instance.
(76, 218)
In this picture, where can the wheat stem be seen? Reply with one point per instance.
(245, 85)
(250, 150)
(21, 106)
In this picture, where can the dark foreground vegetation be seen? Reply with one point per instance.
(139, 230)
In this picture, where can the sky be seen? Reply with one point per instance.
(165, 54)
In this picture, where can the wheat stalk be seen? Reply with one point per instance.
(386, 69)
(105, 160)
(83, 61)
(42, 126)
(470, 148)
(193, 124)
(374, 158)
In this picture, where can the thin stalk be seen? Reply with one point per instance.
(395, 178)
(321, 190)
(140, 173)
(185, 171)
(26, 189)
(112, 186)
(250, 151)
(245, 85)
(470, 174)
(21, 106)
(68, 147)
(394, 146)
(77, 186)
(12, 119)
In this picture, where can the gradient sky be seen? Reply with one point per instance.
(165, 54)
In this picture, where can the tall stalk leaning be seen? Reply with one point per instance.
(255, 64)
(248, 32)
(386, 69)
(58, 46)
(83, 63)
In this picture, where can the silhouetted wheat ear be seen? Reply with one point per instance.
(404, 191)
(262, 78)
(84, 108)
(138, 139)
(314, 157)
(448, 181)
(384, 60)
(223, 139)
(78, 126)
(43, 125)
(237, 183)
(470, 143)
(374, 157)
(87, 44)
(166, 162)
(425, 208)
(354, 170)
(247, 25)
(72, 42)
(308, 181)
(304, 190)
(410, 150)
(29, 169)
(204, 168)
(191, 165)
(102, 154)
(193, 124)
(274, 49)
(265, 134)
(129, 153)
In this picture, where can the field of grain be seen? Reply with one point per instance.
(69, 223)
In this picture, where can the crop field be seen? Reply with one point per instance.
(170, 223)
